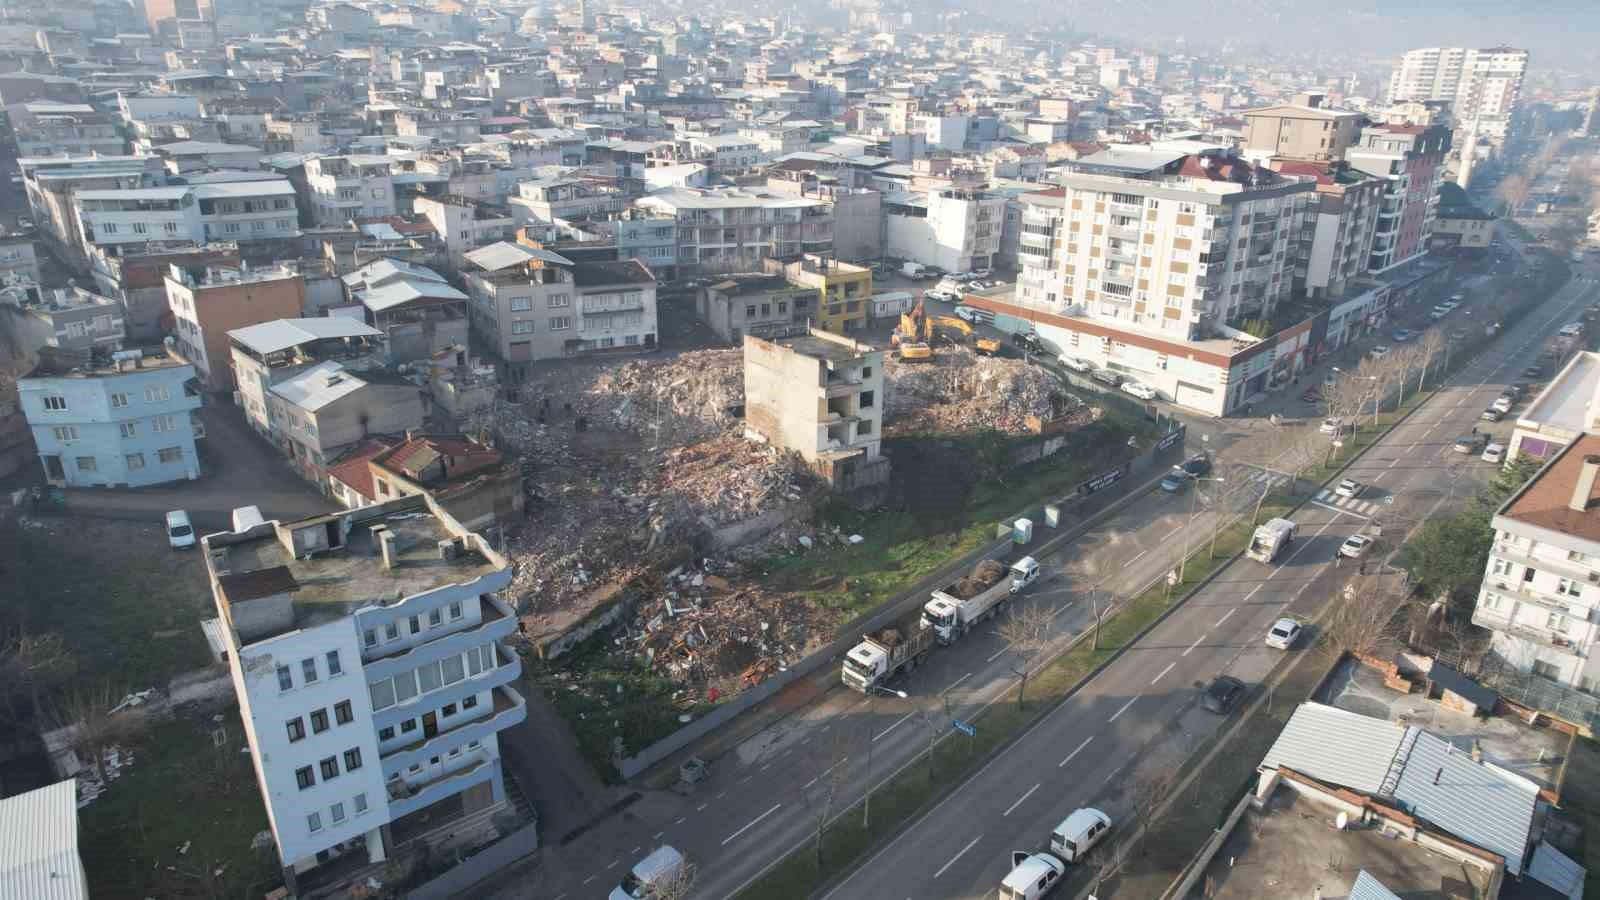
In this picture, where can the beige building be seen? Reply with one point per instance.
(1304, 129)
(820, 395)
(265, 354)
(208, 304)
(762, 305)
(320, 412)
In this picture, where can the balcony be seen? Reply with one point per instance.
(1544, 637)
(509, 709)
(497, 624)
(407, 798)
(1558, 568)
(1123, 232)
(842, 387)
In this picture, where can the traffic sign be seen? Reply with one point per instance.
(964, 728)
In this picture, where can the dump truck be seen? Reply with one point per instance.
(885, 653)
(976, 596)
(1270, 540)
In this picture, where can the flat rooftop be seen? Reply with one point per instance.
(1564, 403)
(824, 349)
(1292, 849)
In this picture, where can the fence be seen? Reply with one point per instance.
(1197, 866)
(479, 866)
(1094, 491)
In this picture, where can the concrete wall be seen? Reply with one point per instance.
(480, 865)
(858, 226)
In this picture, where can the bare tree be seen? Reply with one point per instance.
(676, 884)
(32, 664)
(1151, 791)
(92, 726)
(1432, 346)
(1026, 631)
(1366, 618)
(1407, 359)
(821, 794)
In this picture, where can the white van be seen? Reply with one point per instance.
(246, 517)
(180, 531)
(1078, 833)
(657, 870)
(1571, 329)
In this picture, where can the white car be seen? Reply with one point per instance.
(1494, 453)
(966, 314)
(1333, 425)
(1349, 488)
(1142, 391)
(939, 296)
(1076, 364)
(981, 273)
(1571, 329)
(1354, 546)
(1283, 634)
(1379, 352)
(1501, 404)
(180, 531)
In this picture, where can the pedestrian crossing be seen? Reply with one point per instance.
(1352, 505)
(1268, 480)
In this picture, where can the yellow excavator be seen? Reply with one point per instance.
(917, 332)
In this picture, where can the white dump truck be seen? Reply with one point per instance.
(885, 653)
(1270, 540)
(976, 596)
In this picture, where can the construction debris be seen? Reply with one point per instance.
(964, 393)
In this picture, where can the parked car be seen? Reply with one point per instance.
(1492, 415)
(1198, 465)
(1107, 376)
(1076, 364)
(1495, 452)
(1571, 329)
(1350, 488)
(1533, 372)
(1311, 395)
(1379, 352)
(939, 296)
(1221, 694)
(1333, 425)
(981, 273)
(966, 314)
(1175, 481)
(1502, 404)
(180, 531)
(1354, 546)
(1142, 391)
(1401, 335)
(1283, 634)
(1469, 443)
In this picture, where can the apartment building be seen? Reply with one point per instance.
(224, 211)
(1411, 160)
(265, 354)
(52, 184)
(464, 224)
(546, 200)
(1460, 225)
(820, 395)
(136, 275)
(18, 258)
(957, 228)
(123, 419)
(75, 319)
(733, 229)
(841, 289)
(318, 413)
(1483, 86)
(1541, 586)
(207, 305)
(1306, 128)
(1561, 413)
(1337, 234)
(466, 476)
(48, 128)
(417, 310)
(767, 306)
(349, 187)
(367, 655)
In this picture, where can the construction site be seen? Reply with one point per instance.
(651, 519)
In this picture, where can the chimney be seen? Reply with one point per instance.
(385, 539)
(1584, 489)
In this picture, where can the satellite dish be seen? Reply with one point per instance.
(1342, 820)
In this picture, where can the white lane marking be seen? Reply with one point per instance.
(946, 866)
(1019, 801)
(954, 683)
(752, 824)
(702, 807)
(894, 726)
(1122, 710)
(824, 772)
(1228, 614)
(1335, 509)
(1164, 671)
(680, 820)
(613, 864)
(1135, 557)
(1394, 462)
(996, 655)
(1194, 645)
(1075, 752)
(1174, 531)
(589, 879)
(1322, 494)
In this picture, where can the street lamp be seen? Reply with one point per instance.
(1194, 500)
(866, 805)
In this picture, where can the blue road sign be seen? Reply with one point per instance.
(964, 728)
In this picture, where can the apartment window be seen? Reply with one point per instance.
(119, 401)
(1569, 587)
(319, 721)
(469, 702)
(156, 394)
(472, 745)
(428, 677)
(285, 679)
(329, 767)
(408, 726)
(455, 610)
(170, 454)
(107, 227)
(867, 399)
(521, 304)
(386, 734)
(559, 301)
(1547, 670)
(87, 464)
(163, 423)
(1576, 556)
(391, 631)
(1556, 622)
(864, 427)
(64, 432)
(750, 311)
(296, 729)
(55, 404)
(522, 326)
(352, 759)
(560, 323)
(405, 687)
(1501, 567)
(452, 669)
(170, 227)
(1529, 573)
(370, 637)
(382, 694)
(135, 461)
(128, 429)
(1491, 601)
(435, 617)
(783, 307)
(360, 801)
(334, 666)
(448, 710)
(336, 811)
(342, 713)
(309, 668)
(304, 778)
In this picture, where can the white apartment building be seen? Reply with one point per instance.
(1482, 85)
(545, 200)
(732, 229)
(464, 224)
(348, 187)
(366, 650)
(1541, 587)
(224, 211)
(956, 229)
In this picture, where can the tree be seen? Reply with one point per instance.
(1026, 631)
(821, 794)
(33, 664)
(1365, 619)
(676, 884)
(92, 726)
(1409, 358)
(1433, 346)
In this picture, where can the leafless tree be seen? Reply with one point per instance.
(1408, 358)
(1366, 617)
(33, 664)
(1151, 791)
(821, 794)
(1432, 346)
(677, 884)
(93, 727)
(1026, 631)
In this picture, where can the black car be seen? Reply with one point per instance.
(1197, 466)
(1222, 694)
(1533, 372)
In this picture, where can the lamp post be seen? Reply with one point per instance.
(866, 805)
(1193, 503)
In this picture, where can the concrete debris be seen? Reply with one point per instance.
(90, 787)
(964, 393)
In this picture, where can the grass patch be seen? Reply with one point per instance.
(1580, 796)
(180, 790)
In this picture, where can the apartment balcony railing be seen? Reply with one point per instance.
(1561, 569)
(1123, 232)
(408, 798)
(497, 624)
(510, 708)
(1541, 636)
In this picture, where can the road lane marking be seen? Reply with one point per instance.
(1019, 801)
(1335, 509)
(1164, 671)
(746, 778)
(589, 879)
(1174, 531)
(954, 683)
(997, 654)
(640, 847)
(820, 776)
(1229, 613)
(1122, 710)
(701, 807)
(1075, 752)
(946, 866)
(1135, 557)
(895, 725)
(613, 864)
(680, 820)
(752, 824)
(1194, 645)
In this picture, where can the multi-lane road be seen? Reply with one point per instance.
(1081, 753)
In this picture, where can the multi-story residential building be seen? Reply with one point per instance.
(727, 154)
(350, 187)
(841, 289)
(1304, 129)
(47, 128)
(1411, 159)
(208, 305)
(464, 224)
(957, 228)
(136, 275)
(417, 310)
(1336, 236)
(1541, 587)
(254, 210)
(545, 200)
(319, 412)
(123, 420)
(53, 183)
(469, 478)
(366, 653)
(265, 354)
(1482, 85)
(1460, 225)
(75, 319)
(733, 229)
(821, 395)
(650, 238)
(767, 306)
(18, 257)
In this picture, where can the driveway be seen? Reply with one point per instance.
(238, 468)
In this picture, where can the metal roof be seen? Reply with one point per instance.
(1479, 803)
(270, 337)
(1336, 746)
(1447, 677)
(39, 845)
(395, 293)
(318, 386)
(1369, 888)
(503, 254)
(1557, 871)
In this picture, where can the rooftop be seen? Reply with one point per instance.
(825, 346)
(596, 274)
(1565, 401)
(55, 363)
(1545, 501)
(271, 337)
(39, 853)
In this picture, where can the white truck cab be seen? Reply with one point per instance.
(246, 517)
(1032, 875)
(1024, 572)
(651, 876)
(1078, 833)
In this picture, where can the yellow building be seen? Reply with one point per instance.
(842, 290)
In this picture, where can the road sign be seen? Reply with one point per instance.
(964, 728)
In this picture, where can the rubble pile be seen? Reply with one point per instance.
(690, 397)
(724, 480)
(961, 392)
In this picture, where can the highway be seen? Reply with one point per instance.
(1080, 754)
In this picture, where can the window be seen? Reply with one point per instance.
(416, 624)
(408, 726)
(1576, 556)
(1491, 601)
(864, 426)
(391, 631)
(428, 677)
(135, 461)
(455, 752)
(285, 680)
(560, 323)
(108, 227)
(163, 423)
(521, 304)
(472, 745)
(342, 713)
(156, 393)
(128, 429)
(304, 778)
(867, 399)
(455, 610)
(1501, 567)
(170, 454)
(452, 669)
(382, 694)
(55, 404)
(330, 768)
(171, 227)
(370, 637)
(314, 822)
(448, 710)
(750, 311)
(360, 803)
(1556, 622)
(319, 721)
(86, 464)
(309, 668)
(1546, 669)
(336, 811)
(296, 729)
(470, 702)
(559, 301)
(1529, 573)
(119, 401)
(435, 617)
(64, 432)
(522, 326)
(352, 759)
(334, 666)
(405, 687)
(1569, 587)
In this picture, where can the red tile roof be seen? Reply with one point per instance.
(465, 456)
(352, 469)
